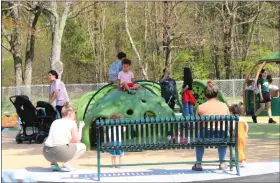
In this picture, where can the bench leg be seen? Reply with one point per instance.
(98, 155)
(98, 164)
(237, 161)
(231, 159)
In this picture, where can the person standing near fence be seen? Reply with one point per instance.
(57, 91)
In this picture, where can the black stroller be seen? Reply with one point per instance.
(39, 118)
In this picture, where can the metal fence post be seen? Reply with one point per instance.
(233, 90)
(42, 94)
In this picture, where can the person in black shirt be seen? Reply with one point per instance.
(169, 89)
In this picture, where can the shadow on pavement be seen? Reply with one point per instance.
(150, 172)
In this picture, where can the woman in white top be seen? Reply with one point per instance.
(63, 143)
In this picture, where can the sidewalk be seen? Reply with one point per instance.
(145, 175)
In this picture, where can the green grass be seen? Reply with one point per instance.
(264, 131)
(7, 106)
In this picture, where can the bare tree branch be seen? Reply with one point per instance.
(44, 27)
(28, 8)
(9, 50)
(249, 21)
(51, 9)
(4, 32)
(229, 12)
(79, 11)
(178, 37)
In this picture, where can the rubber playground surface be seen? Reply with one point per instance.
(262, 146)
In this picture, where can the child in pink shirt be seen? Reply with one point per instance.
(126, 78)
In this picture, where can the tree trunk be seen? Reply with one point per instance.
(214, 49)
(228, 33)
(57, 25)
(30, 48)
(278, 7)
(166, 37)
(133, 46)
(118, 43)
(103, 49)
(145, 37)
(15, 46)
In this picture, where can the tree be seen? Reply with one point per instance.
(34, 15)
(133, 45)
(13, 39)
(57, 23)
(14, 9)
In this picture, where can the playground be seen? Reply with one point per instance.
(262, 144)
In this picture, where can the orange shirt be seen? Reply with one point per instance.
(212, 107)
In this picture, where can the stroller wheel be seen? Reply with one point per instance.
(40, 138)
(18, 138)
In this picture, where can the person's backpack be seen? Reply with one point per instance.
(114, 69)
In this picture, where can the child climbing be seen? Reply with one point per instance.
(113, 139)
(126, 78)
(242, 134)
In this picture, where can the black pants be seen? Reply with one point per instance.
(59, 108)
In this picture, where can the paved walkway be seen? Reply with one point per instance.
(145, 175)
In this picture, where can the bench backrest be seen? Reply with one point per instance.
(166, 133)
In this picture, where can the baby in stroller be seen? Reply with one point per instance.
(39, 118)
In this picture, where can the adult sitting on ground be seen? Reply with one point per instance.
(212, 107)
(63, 143)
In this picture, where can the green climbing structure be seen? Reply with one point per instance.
(143, 104)
(147, 102)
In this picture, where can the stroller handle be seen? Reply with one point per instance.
(15, 96)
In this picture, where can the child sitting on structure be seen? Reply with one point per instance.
(113, 139)
(242, 134)
(126, 78)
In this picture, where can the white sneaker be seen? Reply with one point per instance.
(243, 164)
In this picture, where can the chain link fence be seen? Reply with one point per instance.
(231, 89)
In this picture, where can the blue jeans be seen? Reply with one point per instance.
(187, 109)
(200, 150)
